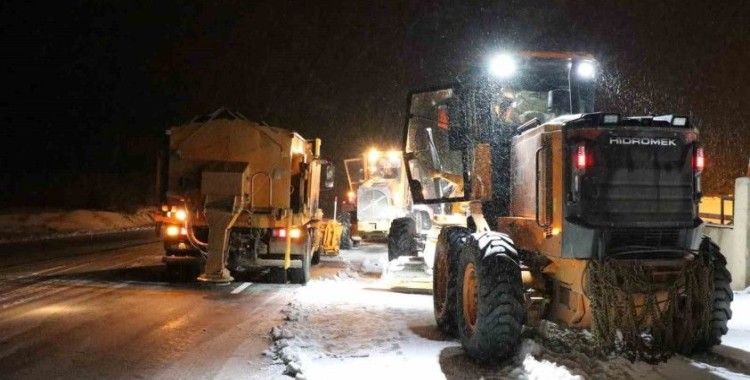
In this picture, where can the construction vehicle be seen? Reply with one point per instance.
(383, 202)
(582, 218)
(242, 196)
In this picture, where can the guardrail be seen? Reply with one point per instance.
(728, 224)
(718, 210)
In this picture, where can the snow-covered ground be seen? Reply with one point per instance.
(350, 325)
(26, 225)
(739, 325)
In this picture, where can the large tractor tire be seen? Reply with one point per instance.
(490, 297)
(444, 283)
(402, 238)
(722, 296)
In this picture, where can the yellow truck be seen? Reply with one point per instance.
(241, 196)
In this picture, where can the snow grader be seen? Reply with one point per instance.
(384, 208)
(242, 196)
(584, 218)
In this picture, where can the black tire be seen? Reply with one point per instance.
(495, 330)
(402, 238)
(277, 275)
(316, 257)
(444, 283)
(722, 296)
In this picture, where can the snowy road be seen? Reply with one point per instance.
(109, 314)
(351, 326)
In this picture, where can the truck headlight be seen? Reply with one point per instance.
(173, 231)
(180, 215)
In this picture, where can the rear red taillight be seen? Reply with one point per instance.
(700, 162)
(580, 158)
(281, 233)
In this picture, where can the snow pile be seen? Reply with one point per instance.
(739, 326)
(341, 327)
(27, 225)
(346, 325)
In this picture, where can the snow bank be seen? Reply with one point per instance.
(343, 327)
(27, 225)
(739, 326)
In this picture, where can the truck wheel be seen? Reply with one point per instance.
(316, 257)
(490, 301)
(277, 275)
(402, 238)
(722, 295)
(444, 283)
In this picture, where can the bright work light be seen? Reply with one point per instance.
(502, 66)
(586, 70)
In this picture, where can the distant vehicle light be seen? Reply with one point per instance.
(502, 66)
(173, 231)
(373, 154)
(281, 233)
(394, 156)
(180, 215)
(295, 233)
(586, 70)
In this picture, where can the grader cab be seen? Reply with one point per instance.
(587, 219)
(241, 196)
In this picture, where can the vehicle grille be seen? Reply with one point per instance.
(372, 204)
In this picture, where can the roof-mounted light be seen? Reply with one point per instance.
(502, 66)
(679, 121)
(610, 118)
(586, 70)
(676, 121)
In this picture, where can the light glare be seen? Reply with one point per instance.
(586, 70)
(502, 66)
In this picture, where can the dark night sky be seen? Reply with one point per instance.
(90, 87)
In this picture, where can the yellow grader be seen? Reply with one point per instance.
(241, 196)
(383, 202)
(586, 219)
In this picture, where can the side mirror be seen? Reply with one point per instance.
(329, 174)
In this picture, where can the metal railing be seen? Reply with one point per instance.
(725, 215)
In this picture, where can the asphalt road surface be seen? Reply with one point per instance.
(110, 313)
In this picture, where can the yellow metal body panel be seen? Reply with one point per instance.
(275, 158)
(537, 193)
(329, 236)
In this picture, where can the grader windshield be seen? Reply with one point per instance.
(445, 127)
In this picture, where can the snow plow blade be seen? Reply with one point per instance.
(408, 274)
